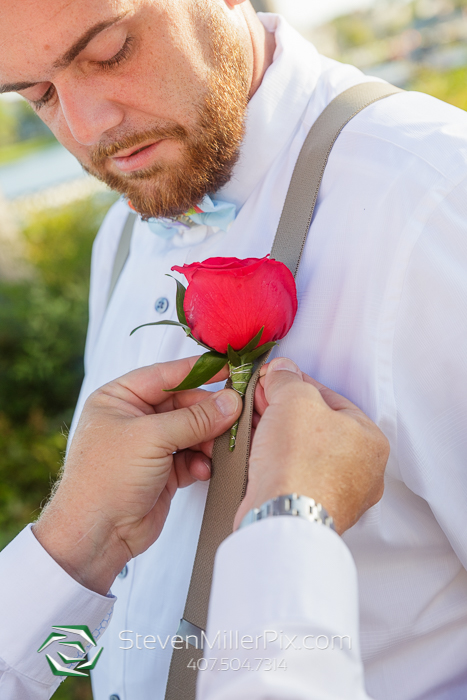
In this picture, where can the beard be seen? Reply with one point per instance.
(209, 149)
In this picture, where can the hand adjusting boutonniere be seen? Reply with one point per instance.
(229, 308)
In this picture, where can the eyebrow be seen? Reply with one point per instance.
(71, 54)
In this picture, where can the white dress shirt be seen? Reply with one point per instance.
(256, 643)
(382, 291)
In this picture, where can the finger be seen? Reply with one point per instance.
(150, 384)
(199, 467)
(331, 398)
(261, 402)
(181, 399)
(191, 466)
(260, 399)
(201, 422)
(205, 447)
(282, 374)
(220, 376)
(185, 399)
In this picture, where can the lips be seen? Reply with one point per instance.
(138, 150)
(136, 159)
(134, 149)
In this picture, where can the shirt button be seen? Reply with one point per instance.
(161, 305)
(123, 573)
(114, 697)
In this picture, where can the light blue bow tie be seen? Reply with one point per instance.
(213, 213)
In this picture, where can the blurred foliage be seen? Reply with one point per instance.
(21, 149)
(42, 333)
(361, 28)
(74, 689)
(449, 86)
(8, 124)
(21, 130)
(352, 31)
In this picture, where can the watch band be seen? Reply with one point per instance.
(292, 504)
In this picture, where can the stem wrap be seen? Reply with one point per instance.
(240, 377)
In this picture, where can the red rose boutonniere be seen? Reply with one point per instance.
(229, 308)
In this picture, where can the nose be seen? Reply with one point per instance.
(87, 112)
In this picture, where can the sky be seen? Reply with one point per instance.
(315, 12)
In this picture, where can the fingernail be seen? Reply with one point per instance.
(284, 363)
(207, 463)
(227, 402)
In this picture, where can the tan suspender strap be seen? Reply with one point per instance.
(306, 180)
(230, 469)
(123, 252)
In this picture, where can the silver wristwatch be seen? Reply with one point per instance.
(292, 504)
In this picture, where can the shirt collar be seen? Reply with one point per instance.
(276, 109)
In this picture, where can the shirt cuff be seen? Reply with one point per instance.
(283, 616)
(35, 595)
(285, 568)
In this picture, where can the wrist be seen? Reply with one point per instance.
(83, 543)
(291, 505)
(260, 493)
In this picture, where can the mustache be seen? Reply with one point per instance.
(103, 151)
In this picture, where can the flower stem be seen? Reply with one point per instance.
(240, 377)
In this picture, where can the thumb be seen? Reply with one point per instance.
(282, 374)
(202, 421)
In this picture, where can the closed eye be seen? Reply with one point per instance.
(46, 97)
(119, 57)
(113, 62)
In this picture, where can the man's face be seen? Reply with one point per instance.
(149, 95)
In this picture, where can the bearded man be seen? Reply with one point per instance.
(196, 111)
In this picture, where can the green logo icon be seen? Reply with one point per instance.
(83, 664)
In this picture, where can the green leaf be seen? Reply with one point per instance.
(234, 357)
(252, 356)
(163, 323)
(205, 369)
(252, 344)
(180, 299)
(200, 343)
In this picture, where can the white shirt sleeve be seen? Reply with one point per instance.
(430, 369)
(36, 594)
(284, 611)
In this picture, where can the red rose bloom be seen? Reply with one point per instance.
(229, 300)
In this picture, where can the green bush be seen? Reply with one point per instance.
(448, 86)
(42, 334)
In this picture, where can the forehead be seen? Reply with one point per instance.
(33, 33)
